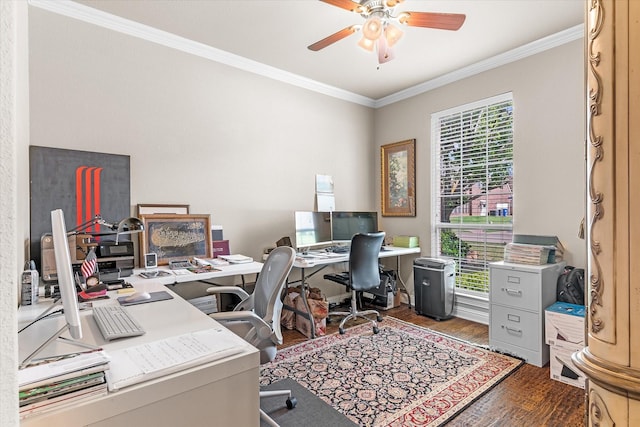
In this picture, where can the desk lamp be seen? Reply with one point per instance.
(126, 226)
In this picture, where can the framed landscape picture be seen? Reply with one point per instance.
(175, 237)
(398, 170)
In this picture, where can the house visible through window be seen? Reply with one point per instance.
(472, 194)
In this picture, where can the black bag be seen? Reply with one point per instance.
(570, 287)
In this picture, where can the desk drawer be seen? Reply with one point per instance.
(517, 327)
(515, 288)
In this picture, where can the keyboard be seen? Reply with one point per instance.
(114, 321)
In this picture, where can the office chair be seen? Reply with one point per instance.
(257, 317)
(363, 274)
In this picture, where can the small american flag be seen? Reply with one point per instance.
(89, 264)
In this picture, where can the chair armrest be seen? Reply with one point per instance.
(228, 290)
(263, 330)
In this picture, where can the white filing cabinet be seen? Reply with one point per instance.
(518, 296)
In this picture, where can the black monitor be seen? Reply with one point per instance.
(312, 228)
(345, 224)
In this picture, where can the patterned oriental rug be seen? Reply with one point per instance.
(404, 376)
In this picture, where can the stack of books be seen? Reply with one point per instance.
(520, 253)
(58, 382)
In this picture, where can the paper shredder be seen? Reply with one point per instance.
(434, 281)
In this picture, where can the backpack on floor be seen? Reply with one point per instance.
(570, 287)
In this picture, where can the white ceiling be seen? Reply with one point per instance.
(277, 33)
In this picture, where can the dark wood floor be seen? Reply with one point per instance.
(528, 397)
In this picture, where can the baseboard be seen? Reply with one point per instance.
(472, 314)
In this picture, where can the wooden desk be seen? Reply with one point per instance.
(222, 392)
(317, 260)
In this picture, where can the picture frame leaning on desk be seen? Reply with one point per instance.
(176, 237)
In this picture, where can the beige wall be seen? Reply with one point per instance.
(246, 149)
(240, 147)
(549, 177)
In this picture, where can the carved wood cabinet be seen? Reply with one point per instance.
(611, 360)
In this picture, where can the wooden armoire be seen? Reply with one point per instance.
(611, 360)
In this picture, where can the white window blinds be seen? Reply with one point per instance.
(472, 193)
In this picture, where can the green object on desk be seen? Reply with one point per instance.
(406, 241)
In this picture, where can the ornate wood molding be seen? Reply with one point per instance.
(595, 88)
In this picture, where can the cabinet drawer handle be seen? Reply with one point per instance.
(513, 330)
(513, 317)
(513, 279)
(517, 292)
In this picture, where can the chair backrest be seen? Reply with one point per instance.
(267, 295)
(364, 270)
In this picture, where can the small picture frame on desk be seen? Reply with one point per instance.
(174, 237)
(150, 209)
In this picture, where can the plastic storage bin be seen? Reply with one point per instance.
(434, 281)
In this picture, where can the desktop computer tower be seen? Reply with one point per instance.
(434, 282)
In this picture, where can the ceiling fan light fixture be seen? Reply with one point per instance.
(366, 44)
(392, 34)
(385, 53)
(372, 28)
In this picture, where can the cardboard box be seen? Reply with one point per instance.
(564, 325)
(562, 368)
(319, 310)
(406, 241)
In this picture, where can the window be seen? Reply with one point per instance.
(472, 194)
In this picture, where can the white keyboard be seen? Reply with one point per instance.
(114, 321)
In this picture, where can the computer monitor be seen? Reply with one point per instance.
(345, 224)
(312, 228)
(66, 284)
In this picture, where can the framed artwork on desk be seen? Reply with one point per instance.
(398, 170)
(176, 237)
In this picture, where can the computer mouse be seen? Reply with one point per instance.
(137, 296)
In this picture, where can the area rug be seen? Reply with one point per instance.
(404, 376)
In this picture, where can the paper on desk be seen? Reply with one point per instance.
(236, 258)
(158, 358)
(51, 370)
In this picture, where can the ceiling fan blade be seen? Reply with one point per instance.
(349, 5)
(441, 21)
(333, 38)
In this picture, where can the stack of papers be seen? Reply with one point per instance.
(236, 258)
(521, 253)
(54, 383)
(158, 358)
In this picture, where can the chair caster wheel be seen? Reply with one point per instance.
(376, 330)
(379, 318)
(341, 330)
(292, 402)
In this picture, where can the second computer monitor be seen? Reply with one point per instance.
(345, 224)
(312, 228)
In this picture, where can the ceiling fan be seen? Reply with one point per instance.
(378, 30)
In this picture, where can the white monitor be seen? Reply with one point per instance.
(68, 293)
(312, 228)
(66, 284)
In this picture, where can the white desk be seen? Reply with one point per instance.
(241, 269)
(222, 392)
(317, 260)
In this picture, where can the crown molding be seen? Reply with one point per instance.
(106, 20)
(533, 48)
(93, 16)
